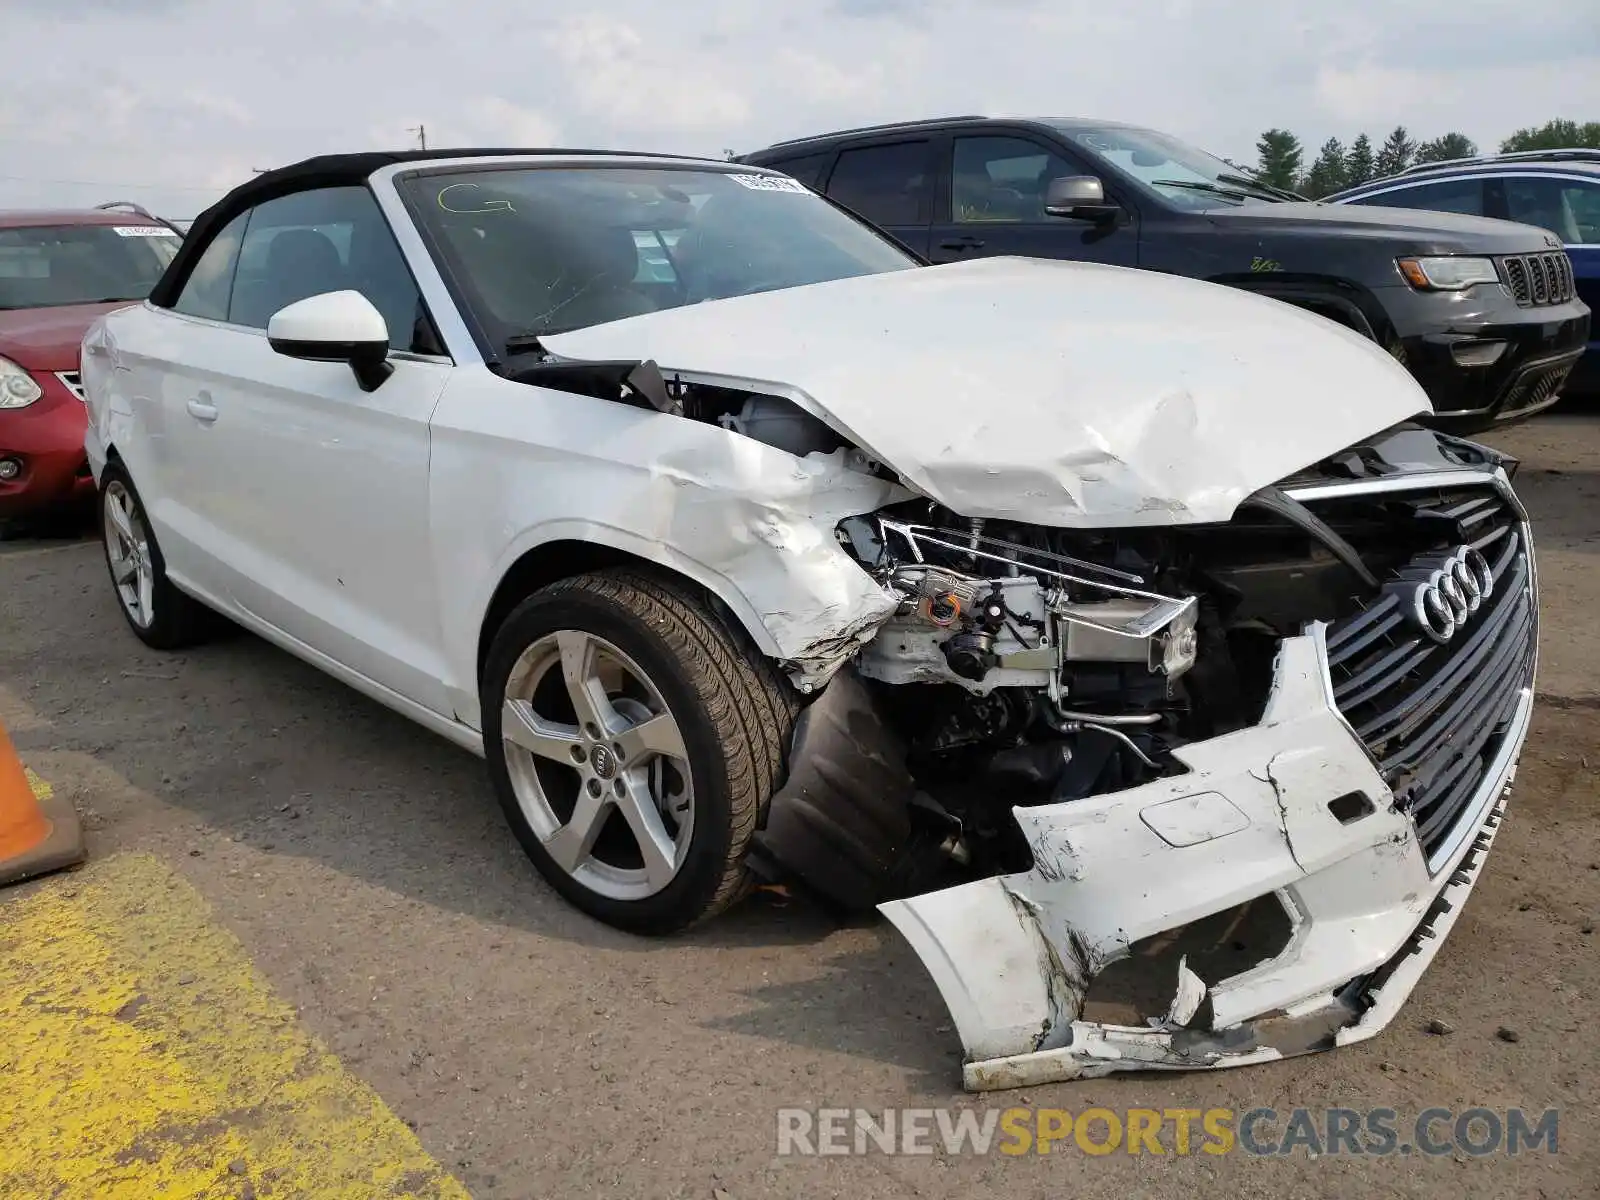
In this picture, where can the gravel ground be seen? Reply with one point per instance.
(367, 872)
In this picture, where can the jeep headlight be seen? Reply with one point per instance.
(18, 389)
(1447, 272)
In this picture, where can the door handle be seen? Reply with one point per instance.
(962, 243)
(202, 410)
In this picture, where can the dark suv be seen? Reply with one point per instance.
(1435, 289)
(1558, 190)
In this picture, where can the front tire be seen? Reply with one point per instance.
(158, 613)
(632, 738)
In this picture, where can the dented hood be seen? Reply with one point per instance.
(1051, 393)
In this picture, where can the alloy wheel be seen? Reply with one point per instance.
(598, 765)
(128, 552)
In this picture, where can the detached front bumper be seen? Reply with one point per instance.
(1291, 813)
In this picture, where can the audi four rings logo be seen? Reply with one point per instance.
(1451, 592)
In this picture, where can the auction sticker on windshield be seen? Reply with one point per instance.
(769, 183)
(142, 231)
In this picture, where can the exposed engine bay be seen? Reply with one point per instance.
(1031, 666)
(1024, 666)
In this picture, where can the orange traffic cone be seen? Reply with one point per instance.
(37, 834)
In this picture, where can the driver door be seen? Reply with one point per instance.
(324, 486)
(995, 205)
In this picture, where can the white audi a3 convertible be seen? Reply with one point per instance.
(1116, 634)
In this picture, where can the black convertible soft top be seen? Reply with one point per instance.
(324, 170)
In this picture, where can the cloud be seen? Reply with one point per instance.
(498, 122)
(875, 8)
(1378, 97)
(159, 100)
(215, 104)
(98, 9)
(627, 81)
(815, 79)
(915, 10)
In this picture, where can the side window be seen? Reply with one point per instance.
(807, 169)
(1584, 200)
(1002, 179)
(210, 284)
(888, 185)
(1567, 207)
(326, 241)
(1447, 195)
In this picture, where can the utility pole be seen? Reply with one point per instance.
(422, 135)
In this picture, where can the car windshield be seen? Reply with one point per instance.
(542, 250)
(1179, 173)
(47, 266)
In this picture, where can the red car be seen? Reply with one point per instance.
(58, 272)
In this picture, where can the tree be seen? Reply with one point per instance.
(1279, 156)
(1441, 149)
(1358, 164)
(1329, 173)
(1554, 135)
(1395, 154)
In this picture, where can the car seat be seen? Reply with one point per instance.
(602, 264)
(299, 263)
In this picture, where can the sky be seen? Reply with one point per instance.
(171, 102)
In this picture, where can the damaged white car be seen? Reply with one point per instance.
(1113, 632)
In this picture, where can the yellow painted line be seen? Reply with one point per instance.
(142, 1056)
(41, 789)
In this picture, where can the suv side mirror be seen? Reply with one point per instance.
(1081, 197)
(337, 327)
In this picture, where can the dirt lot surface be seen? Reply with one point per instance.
(369, 877)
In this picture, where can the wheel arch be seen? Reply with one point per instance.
(109, 456)
(566, 553)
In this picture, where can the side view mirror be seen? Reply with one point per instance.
(335, 327)
(1081, 197)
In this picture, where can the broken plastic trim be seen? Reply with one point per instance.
(842, 822)
(1279, 503)
(627, 381)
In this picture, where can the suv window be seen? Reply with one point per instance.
(324, 241)
(1463, 196)
(1569, 208)
(888, 185)
(807, 169)
(210, 284)
(1002, 179)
